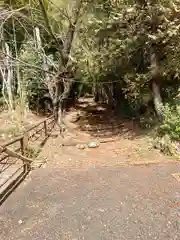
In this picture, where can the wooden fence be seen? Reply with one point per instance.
(14, 162)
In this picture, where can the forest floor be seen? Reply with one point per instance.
(119, 141)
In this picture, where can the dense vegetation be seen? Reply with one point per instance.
(126, 53)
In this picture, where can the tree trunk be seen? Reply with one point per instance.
(71, 31)
(156, 76)
(109, 94)
(66, 52)
(56, 102)
(158, 105)
(96, 92)
(59, 98)
(6, 73)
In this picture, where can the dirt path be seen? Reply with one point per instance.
(119, 142)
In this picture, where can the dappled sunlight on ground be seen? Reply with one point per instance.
(121, 142)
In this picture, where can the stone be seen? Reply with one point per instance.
(20, 221)
(81, 146)
(93, 145)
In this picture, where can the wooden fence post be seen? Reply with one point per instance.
(45, 128)
(24, 145)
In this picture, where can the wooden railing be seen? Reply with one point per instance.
(13, 157)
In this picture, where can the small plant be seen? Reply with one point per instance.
(31, 152)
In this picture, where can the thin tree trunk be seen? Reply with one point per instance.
(66, 53)
(109, 94)
(156, 76)
(95, 92)
(158, 105)
(7, 76)
(46, 19)
(59, 94)
(71, 31)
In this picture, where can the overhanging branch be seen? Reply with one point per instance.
(44, 12)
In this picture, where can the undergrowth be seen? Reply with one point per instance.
(32, 152)
(168, 140)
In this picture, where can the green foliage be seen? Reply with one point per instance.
(171, 123)
(168, 131)
(115, 46)
(32, 152)
(111, 54)
(31, 80)
(165, 145)
(112, 47)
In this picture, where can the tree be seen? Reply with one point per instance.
(138, 42)
(127, 51)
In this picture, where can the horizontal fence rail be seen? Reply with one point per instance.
(14, 162)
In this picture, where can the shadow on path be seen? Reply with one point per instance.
(100, 121)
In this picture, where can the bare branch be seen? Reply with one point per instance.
(50, 29)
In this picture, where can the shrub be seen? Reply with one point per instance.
(171, 123)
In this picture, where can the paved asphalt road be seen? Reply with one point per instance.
(137, 202)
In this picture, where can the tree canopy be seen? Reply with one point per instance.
(126, 53)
